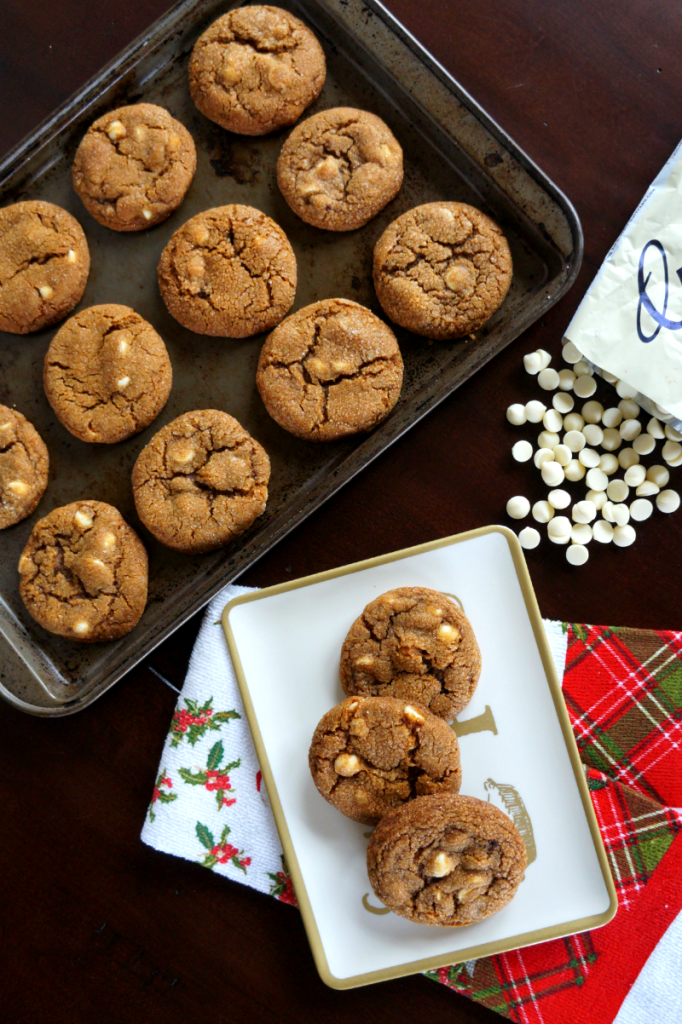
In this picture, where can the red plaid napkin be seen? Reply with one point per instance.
(623, 690)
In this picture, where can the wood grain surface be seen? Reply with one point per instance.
(97, 927)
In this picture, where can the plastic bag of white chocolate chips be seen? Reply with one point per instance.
(629, 324)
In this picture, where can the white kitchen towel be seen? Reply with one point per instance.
(209, 805)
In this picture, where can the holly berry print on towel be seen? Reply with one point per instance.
(195, 720)
(221, 852)
(214, 778)
(282, 886)
(158, 794)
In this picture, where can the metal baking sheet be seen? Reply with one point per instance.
(452, 151)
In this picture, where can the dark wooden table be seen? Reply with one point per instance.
(94, 925)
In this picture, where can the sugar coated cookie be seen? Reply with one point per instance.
(134, 166)
(256, 69)
(339, 168)
(446, 860)
(107, 374)
(229, 272)
(442, 269)
(44, 265)
(201, 481)
(24, 466)
(84, 573)
(330, 370)
(372, 754)
(415, 644)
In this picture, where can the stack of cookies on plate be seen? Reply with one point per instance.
(386, 756)
(327, 371)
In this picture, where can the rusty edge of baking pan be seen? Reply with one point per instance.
(509, 182)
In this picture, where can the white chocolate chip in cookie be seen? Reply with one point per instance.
(413, 714)
(108, 541)
(46, 292)
(327, 169)
(81, 627)
(347, 765)
(440, 865)
(447, 633)
(70, 256)
(139, 132)
(123, 347)
(196, 266)
(458, 277)
(147, 214)
(123, 382)
(116, 131)
(364, 661)
(18, 487)
(181, 453)
(317, 366)
(341, 366)
(83, 519)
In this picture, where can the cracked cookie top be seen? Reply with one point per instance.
(201, 481)
(24, 466)
(446, 860)
(44, 265)
(107, 374)
(442, 269)
(133, 167)
(256, 69)
(229, 272)
(84, 573)
(415, 644)
(330, 370)
(372, 754)
(340, 167)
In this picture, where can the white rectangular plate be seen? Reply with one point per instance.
(285, 643)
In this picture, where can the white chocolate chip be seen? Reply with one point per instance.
(70, 256)
(553, 421)
(535, 411)
(630, 429)
(83, 519)
(635, 475)
(559, 499)
(617, 490)
(108, 540)
(440, 865)
(543, 455)
(412, 713)
(559, 529)
(518, 507)
(582, 369)
(574, 440)
(629, 409)
(621, 514)
(123, 346)
(532, 363)
(562, 402)
(522, 451)
(552, 473)
(347, 765)
(641, 509)
(602, 531)
(592, 412)
(581, 533)
(671, 451)
(647, 489)
(612, 417)
(448, 633)
(668, 501)
(672, 434)
(81, 627)
(589, 458)
(123, 382)
(585, 386)
(598, 498)
(610, 378)
(658, 475)
(654, 428)
(548, 379)
(628, 457)
(583, 512)
(542, 511)
(644, 444)
(516, 415)
(548, 439)
(611, 440)
(608, 463)
(147, 214)
(574, 471)
(116, 130)
(562, 454)
(573, 421)
(545, 358)
(593, 434)
(624, 536)
(596, 479)
(45, 291)
(566, 380)
(18, 487)
(570, 353)
(577, 554)
(529, 538)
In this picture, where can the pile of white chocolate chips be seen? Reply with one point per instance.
(620, 489)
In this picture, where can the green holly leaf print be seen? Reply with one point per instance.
(205, 836)
(215, 756)
(225, 833)
(225, 716)
(194, 780)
